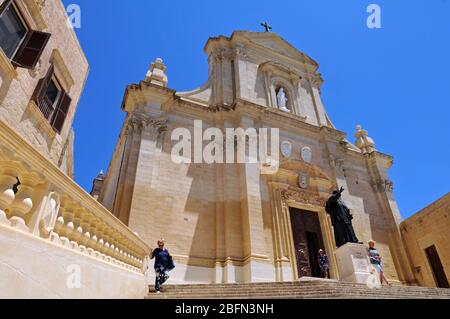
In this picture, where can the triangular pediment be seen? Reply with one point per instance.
(265, 40)
(274, 42)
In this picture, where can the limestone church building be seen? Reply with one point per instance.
(227, 223)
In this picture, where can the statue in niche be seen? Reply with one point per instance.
(282, 100)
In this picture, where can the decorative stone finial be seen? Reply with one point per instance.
(157, 73)
(97, 185)
(365, 143)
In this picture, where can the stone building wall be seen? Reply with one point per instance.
(426, 228)
(18, 84)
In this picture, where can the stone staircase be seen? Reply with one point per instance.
(307, 288)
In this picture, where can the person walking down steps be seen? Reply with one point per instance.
(163, 264)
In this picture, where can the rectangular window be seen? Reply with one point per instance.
(48, 102)
(23, 46)
(12, 31)
(52, 100)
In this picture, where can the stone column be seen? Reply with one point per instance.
(295, 80)
(314, 82)
(144, 167)
(132, 136)
(276, 232)
(252, 216)
(377, 166)
(220, 223)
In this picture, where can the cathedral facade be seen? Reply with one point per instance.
(230, 222)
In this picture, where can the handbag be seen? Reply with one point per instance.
(171, 263)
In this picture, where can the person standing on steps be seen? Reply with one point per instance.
(163, 264)
(375, 259)
(324, 264)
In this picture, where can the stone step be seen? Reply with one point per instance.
(274, 291)
(294, 296)
(336, 295)
(281, 290)
(317, 289)
(303, 288)
(305, 292)
(270, 297)
(286, 285)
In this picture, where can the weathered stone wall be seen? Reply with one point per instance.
(17, 86)
(32, 267)
(426, 228)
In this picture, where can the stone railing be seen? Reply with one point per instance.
(37, 198)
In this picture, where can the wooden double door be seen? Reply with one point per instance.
(308, 239)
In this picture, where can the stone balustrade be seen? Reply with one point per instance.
(37, 198)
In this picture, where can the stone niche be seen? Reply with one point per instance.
(277, 76)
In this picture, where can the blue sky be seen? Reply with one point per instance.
(394, 80)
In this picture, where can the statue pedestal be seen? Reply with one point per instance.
(354, 265)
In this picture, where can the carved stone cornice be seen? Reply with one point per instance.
(302, 196)
(387, 160)
(141, 121)
(221, 53)
(219, 108)
(143, 94)
(240, 52)
(272, 68)
(333, 134)
(337, 163)
(316, 80)
(383, 185)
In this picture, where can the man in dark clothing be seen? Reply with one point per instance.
(163, 264)
(341, 219)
